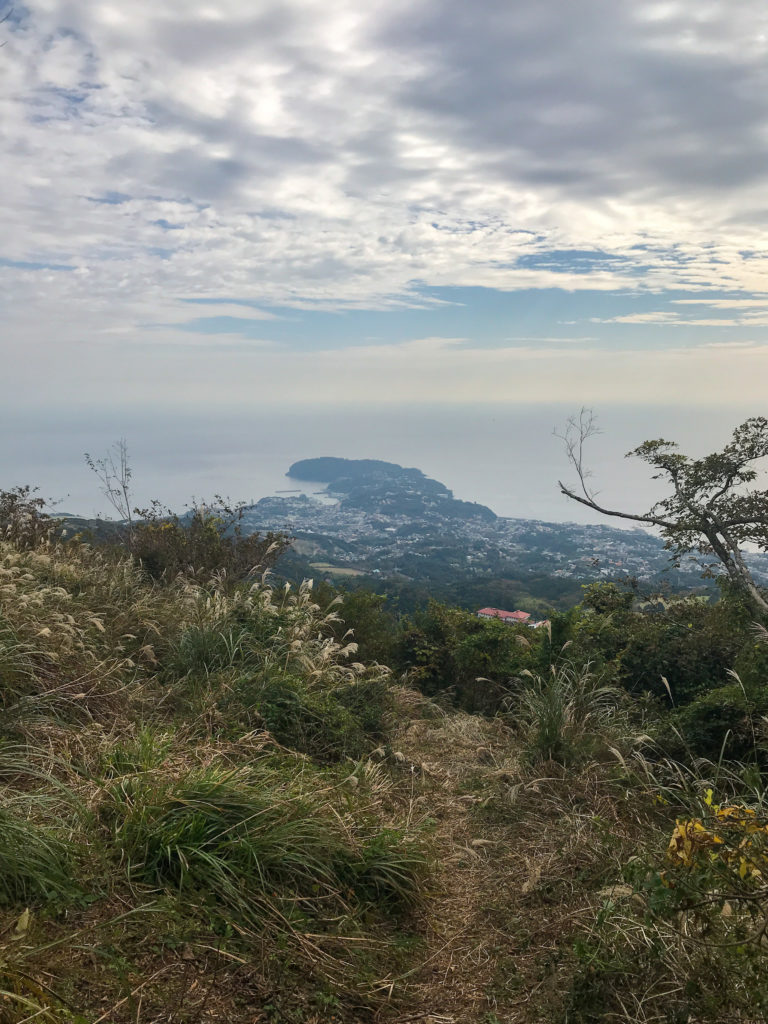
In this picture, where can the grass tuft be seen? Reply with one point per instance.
(566, 716)
(36, 861)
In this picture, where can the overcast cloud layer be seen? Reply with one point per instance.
(193, 191)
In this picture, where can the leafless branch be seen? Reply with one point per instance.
(578, 431)
(114, 473)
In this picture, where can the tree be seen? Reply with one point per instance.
(114, 473)
(709, 508)
(23, 519)
(206, 541)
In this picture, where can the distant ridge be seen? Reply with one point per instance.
(329, 469)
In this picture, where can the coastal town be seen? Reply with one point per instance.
(414, 536)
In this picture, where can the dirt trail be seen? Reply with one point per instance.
(478, 954)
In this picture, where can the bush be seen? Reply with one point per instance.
(689, 643)
(751, 665)
(326, 724)
(719, 724)
(206, 542)
(690, 924)
(370, 701)
(450, 650)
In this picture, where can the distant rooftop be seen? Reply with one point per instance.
(499, 613)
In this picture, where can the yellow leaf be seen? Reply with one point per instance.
(22, 926)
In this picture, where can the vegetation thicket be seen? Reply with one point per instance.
(217, 803)
(189, 823)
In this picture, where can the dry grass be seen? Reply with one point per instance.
(532, 919)
(116, 751)
(117, 733)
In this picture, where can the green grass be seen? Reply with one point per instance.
(566, 716)
(206, 649)
(36, 860)
(143, 752)
(241, 839)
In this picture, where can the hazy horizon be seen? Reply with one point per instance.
(503, 457)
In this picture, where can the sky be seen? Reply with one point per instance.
(210, 208)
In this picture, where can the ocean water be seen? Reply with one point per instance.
(506, 457)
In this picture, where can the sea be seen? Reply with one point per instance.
(507, 457)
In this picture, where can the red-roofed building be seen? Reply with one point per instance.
(514, 618)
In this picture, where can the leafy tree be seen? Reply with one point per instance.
(708, 509)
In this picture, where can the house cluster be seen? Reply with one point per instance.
(516, 618)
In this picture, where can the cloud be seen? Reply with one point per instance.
(756, 302)
(345, 157)
(538, 339)
(672, 318)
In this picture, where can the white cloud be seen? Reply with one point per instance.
(344, 155)
(537, 339)
(756, 302)
(671, 318)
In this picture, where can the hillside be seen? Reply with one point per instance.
(406, 535)
(212, 811)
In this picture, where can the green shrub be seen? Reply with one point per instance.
(751, 665)
(209, 541)
(370, 701)
(313, 721)
(451, 651)
(720, 723)
(687, 642)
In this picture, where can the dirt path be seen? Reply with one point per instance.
(499, 945)
(458, 979)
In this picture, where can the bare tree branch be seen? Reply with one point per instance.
(590, 503)
(114, 473)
